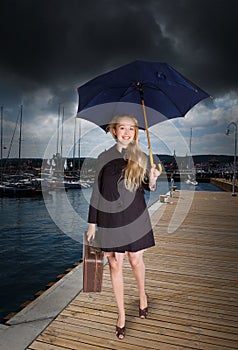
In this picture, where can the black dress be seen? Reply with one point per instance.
(122, 218)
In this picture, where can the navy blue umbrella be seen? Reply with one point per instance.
(154, 86)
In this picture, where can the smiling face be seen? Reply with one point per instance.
(124, 132)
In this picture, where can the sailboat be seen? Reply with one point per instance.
(17, 185)
(56, 172)
(74, 181)
(191, 179)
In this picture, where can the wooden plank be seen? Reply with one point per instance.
(156, 321)
(191, 279)
(39, 345)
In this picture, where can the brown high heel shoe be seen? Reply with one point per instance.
(144, 312)
(121, 332)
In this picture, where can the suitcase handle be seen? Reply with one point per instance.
(92, 243)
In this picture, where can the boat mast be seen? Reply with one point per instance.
(75, 124)
(57, 142)
(20, 135)
(1, 132)
(62, 132)
(1, 142)
(190, 149)
(190, 143)
(79, 148)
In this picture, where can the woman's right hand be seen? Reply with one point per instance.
(91, 232)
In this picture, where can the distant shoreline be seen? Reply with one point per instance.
(163, 157)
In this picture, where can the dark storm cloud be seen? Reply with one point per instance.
(205, 33)
(58, 44)
(50, 41)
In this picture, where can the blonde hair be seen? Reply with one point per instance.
(135, 169)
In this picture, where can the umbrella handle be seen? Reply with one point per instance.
(160, 168)
(147, 129)
(151, 157)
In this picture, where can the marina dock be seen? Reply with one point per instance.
(191, 280)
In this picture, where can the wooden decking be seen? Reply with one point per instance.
(192, 282)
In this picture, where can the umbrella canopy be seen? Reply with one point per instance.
(152, 85)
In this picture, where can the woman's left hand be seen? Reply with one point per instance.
(153, 175)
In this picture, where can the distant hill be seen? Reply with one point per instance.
(197, 159)
(36, 162)
(213, 158)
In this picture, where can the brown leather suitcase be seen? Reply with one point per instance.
(93, 261)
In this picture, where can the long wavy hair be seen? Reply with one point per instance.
(135, 170)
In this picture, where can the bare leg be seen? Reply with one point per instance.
(138, 268)
(116, 265)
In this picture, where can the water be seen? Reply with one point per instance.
(34, 250)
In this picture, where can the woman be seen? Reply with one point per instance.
(119, 210)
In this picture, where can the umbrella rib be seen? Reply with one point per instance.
(126, 91)
(156, 88)
(145, 85)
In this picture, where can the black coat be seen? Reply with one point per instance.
(121, 216)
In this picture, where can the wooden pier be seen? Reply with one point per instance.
(192, 283)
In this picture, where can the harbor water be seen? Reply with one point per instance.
(35, 248)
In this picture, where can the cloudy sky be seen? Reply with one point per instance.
(50, 47)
